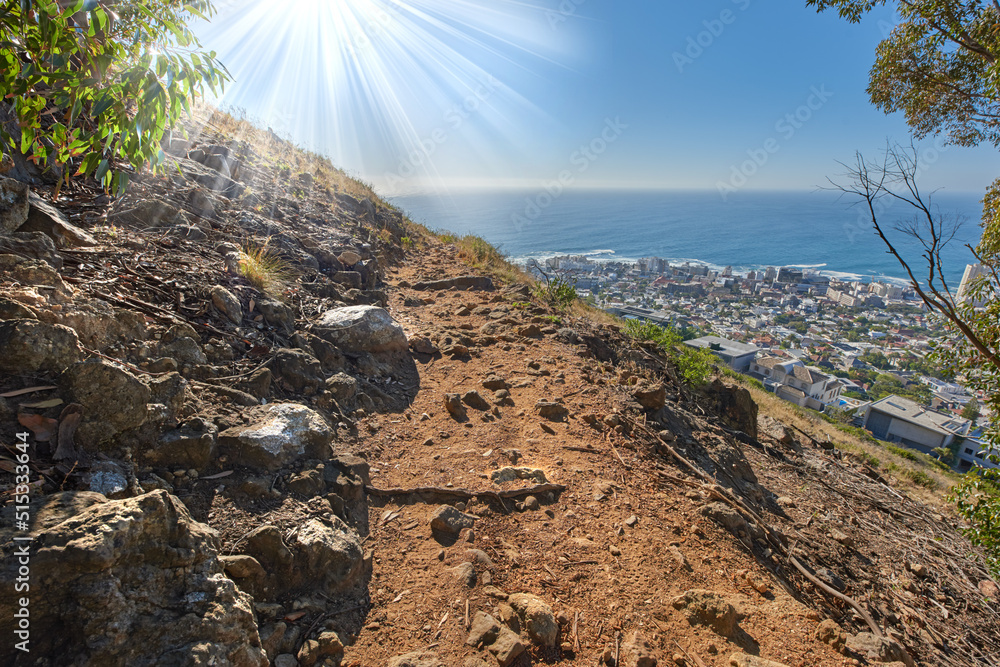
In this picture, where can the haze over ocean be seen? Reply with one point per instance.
(751, 229)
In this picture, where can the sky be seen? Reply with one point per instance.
(421, 95)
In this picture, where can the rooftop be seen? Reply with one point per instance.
(904, 408)
(725, 345)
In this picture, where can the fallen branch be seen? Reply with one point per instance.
(840, 596)
(466, 493)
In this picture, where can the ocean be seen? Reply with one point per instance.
(821, 230)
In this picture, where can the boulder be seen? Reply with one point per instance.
(47, 219)
(277, 314)
(507, 647)
(536, 619)
(113, 400)
(453, 404)
(13, 204)
(33, 272)
(316, 651)
(702, 607)
(30, 346)
(278, 434)
(130, 582)
(14, 310)
(357, 329)
(830, 633)
(736, 406)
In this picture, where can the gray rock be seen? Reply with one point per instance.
(416, 659)
(279, 434)
(185, 448)
(286, 660)
(307, 483)
(13, 310)
(35, 245)
(227, 304)
(361, 329)
(298, 370)
(702, 607)
(453, 404)
(13, 204)
(170, 390)
(552, 410)
(34, 272)
(139, 573)
(464, 574)
(484, 630)
(651, 396)
(536, 619)
(47, 219)
(109, 479)
(475, 401)
(447, 519)
(512, 474)
(327, 556)
(277, 314)
(113, 400)
(242, 566)
(507, 647)
(879, 649)
(29, 346)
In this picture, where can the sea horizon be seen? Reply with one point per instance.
(749, 230)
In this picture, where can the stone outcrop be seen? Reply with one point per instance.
(130, 582)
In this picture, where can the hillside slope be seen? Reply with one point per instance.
(269, 421)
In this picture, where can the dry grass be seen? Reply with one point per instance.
(920, 478)
(265, 269)
(280, 153)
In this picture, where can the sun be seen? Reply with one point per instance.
(385, 87)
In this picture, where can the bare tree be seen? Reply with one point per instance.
(894, 178)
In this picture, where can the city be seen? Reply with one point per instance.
(858, 349)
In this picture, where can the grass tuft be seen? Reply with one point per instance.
(264, 268)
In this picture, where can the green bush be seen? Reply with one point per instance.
(978, 501)
(694, 364)
(902, 453)
(89, 91)
(557, 292)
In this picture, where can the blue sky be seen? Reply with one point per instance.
(422, 94)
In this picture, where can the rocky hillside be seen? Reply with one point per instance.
(251, 415)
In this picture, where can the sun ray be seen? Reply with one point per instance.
(382, 86)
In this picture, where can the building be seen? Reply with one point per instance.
(972, 452)
(972, 273)
(738, 356)
(796, 383)
(897, 419)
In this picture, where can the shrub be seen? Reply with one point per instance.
(902, 453)
(88, 90)
(557, 292)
